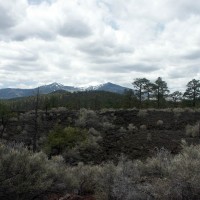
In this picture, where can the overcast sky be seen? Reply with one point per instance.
(87, 42)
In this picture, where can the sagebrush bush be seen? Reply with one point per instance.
(142, 113)
(159, 123)
(25, 175)
(85, 178)
(119, 181)
(93, 132)
(178, 112)
(143, 127)
(132, 128)
(192, 131)
(157, 165)
(87, 118)
(107, 125)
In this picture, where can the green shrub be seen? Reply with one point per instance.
(67, 138)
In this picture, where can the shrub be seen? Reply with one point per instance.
(91, 142)
(157, 165)
(159, 123)
(142, 113)
(25, 175)
(132, 128)
(87, 118)
(178, 112)
(192, 131)
(85, 178)
(119, 181)
(66, 138)
(108, 125)
(93, 132)
(143, 127)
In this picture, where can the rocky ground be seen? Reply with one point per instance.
(135, 133)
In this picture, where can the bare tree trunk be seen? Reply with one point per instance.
(35, 134)
(158, 100)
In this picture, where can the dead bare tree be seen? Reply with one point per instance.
(35, 133)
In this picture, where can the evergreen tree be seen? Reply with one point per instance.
(160, 90)
(176, 96)
(141, 85)
(193, 91)
(128, 98)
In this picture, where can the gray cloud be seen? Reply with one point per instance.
(21, 67)
(104, 52)
(143, 68)
(6, 19)
(123, 68)
(35, 2)
(75, 28)
(11, 12)
(21, 56)
(192, 55)
(184, 72)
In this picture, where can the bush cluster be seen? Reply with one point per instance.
(26, 175)
(87, 118)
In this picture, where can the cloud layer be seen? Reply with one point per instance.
(88, 42)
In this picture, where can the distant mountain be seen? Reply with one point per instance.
(46, 89)
(108, 87)
(9, 93)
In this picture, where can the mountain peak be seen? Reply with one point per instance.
(56, 84)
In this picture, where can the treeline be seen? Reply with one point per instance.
(157, 94)
(145, 94)
(94, 100)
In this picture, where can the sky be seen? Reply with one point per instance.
(89, 42)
